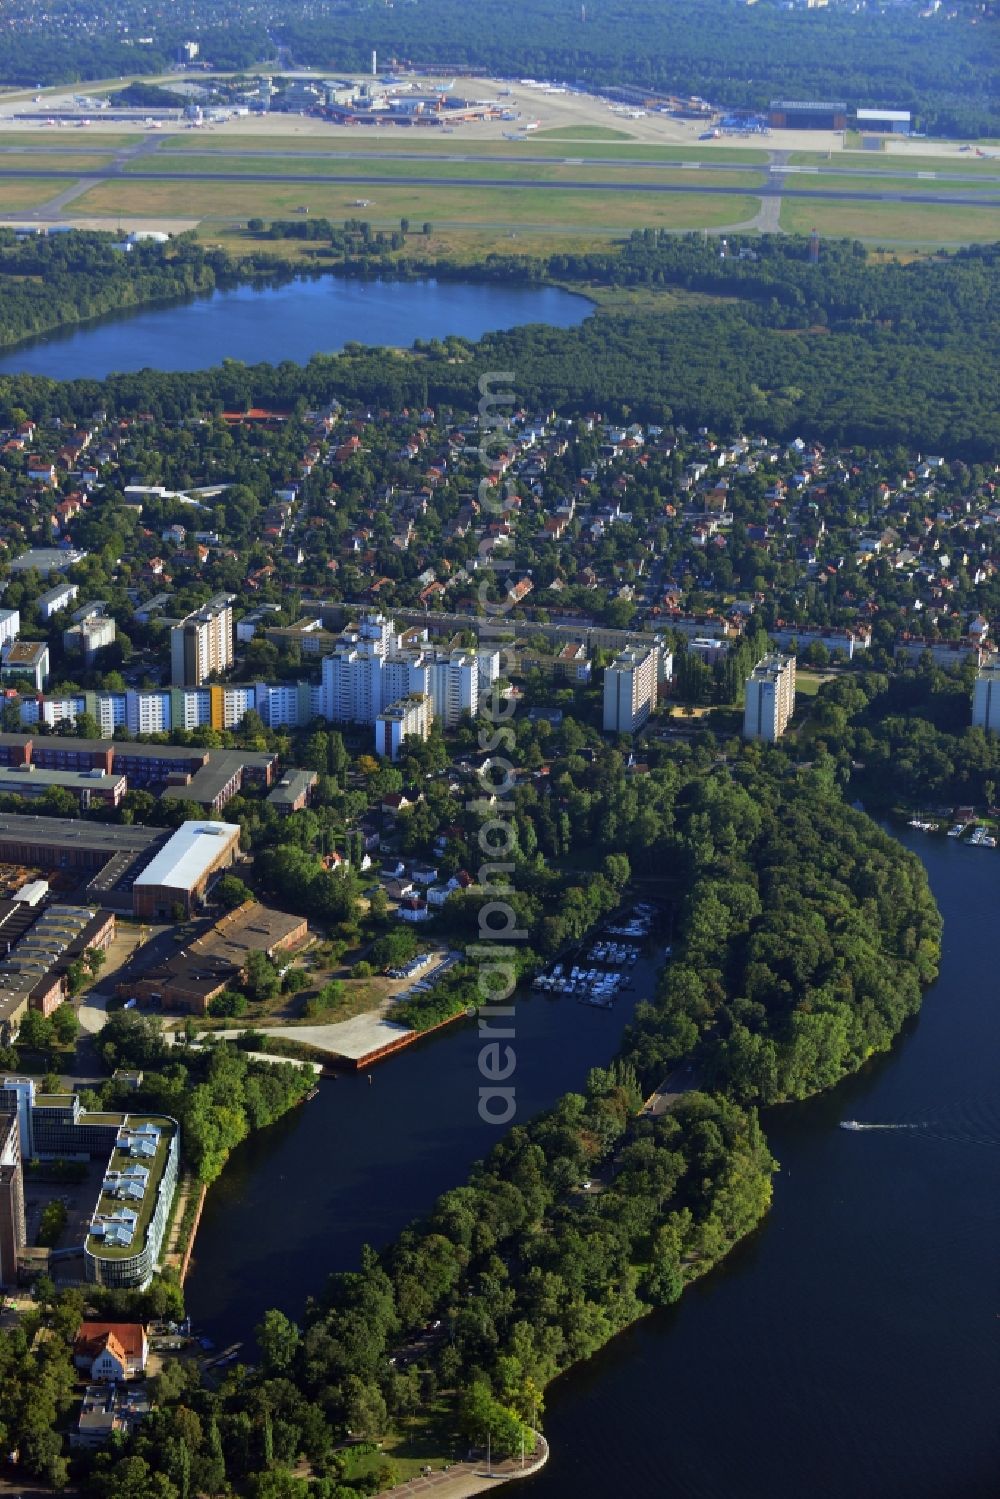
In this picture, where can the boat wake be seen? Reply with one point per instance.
(857, 1124)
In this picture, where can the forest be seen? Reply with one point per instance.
(848, 351)
(904, 739)
(933, 62)
(732, 54)
(218, 1096)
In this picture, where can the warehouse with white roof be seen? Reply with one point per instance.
(178, 874)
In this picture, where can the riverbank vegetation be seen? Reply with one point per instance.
(905, 739)
(219, 1095)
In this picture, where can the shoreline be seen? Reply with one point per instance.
(462, 1480)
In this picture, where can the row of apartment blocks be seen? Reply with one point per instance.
(371, 669)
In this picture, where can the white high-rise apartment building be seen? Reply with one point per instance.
(630, 690)
(411, 716)
(986, 697)
(202, 643)
(770, 698)
(454, 686)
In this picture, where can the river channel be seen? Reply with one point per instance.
(848, 1349)
(290, 321)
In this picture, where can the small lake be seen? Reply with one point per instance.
(291, 321)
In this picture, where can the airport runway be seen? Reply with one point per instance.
(151, 146)
(768, 189)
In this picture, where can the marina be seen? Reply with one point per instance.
(980, 837)
(601, 973)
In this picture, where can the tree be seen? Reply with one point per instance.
(35, 1032)
(87, 726)
(261, 980)
(95, 959)
(278, 1339)
(230, 891)
(378, 905)
(52, 1223)
(66, 1025)
(365, 1408)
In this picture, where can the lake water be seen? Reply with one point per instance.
(291, 321)
(848, 1349)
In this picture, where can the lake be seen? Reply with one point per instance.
(848, 1348)
(290, 321)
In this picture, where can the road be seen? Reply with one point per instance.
(780, 189)
(682, 1080)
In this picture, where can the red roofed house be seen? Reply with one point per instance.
(111, 1350)
(41, 470)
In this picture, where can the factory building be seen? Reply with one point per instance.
(178, 874)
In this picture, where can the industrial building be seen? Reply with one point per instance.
(92, 788)
(146, 871)
(807, 114)
(770, 698)
(630, 689)
(179, 872)
(884, 121)
(201, 644)
(69, 844)
(189, 980)
(293, 791)
(42, 943)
